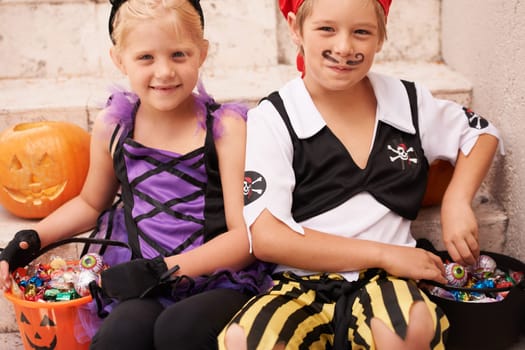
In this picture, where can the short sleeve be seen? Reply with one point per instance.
(269, 177)
(447, 127)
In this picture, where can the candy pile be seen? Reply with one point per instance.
(59, 280)
(483, 275)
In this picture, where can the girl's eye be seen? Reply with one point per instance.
(326, 29)
(145, 57)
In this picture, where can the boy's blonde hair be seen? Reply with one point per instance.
(180, 14)
(306, 9)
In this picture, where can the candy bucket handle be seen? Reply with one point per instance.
(104, 242)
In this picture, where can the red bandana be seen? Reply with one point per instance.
(293, 5)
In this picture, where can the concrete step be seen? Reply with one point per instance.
(77, 99)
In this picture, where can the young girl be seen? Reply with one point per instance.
(177, 158)
(339, 162)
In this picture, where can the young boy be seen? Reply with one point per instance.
(337, 166)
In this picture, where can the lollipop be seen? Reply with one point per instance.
(92, 262)
(455, 274)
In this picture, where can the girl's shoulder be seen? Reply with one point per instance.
(120, 108)
(220, 114)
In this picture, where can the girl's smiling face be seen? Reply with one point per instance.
(161, 62)
(339, 39)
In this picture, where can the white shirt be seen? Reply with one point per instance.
(444, 129)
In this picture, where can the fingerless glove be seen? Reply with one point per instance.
(136, 278)
(18, 257)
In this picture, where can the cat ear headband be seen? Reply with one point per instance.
(115, 5)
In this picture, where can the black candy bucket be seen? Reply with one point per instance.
(479, 326)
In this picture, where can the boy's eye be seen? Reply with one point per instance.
(145, 57)
(362, 32)
(179, 54)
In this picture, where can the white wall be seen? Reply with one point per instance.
(485, 41)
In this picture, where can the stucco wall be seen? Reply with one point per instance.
(485, 41)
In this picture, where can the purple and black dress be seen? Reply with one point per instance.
(169, 202)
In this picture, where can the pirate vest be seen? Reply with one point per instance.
(326, 176)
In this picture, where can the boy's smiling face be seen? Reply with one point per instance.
(339, 39)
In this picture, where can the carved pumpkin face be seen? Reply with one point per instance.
(42, 165)
(38, 334)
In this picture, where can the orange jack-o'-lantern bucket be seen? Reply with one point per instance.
(50, 325)
(57, 325)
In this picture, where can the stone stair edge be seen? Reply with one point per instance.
(21, 95)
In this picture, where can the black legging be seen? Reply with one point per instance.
(193, 323)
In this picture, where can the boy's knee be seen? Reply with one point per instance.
(420, 330)
(235, 338)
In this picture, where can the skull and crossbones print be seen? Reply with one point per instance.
(403, 153)
(253, 187)
(475, 120)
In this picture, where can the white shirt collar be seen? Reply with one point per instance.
(393, 107)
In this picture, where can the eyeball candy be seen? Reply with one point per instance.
(92, 262)
(455, 274)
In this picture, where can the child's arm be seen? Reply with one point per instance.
(276, 235)
(80, 213)
(231, 249)
(459, 225)
(317, 251)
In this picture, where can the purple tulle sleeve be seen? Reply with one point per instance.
(203, 99)
(121, 104)
(120, 108)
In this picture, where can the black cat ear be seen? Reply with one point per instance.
(197, 5)
(115, 5)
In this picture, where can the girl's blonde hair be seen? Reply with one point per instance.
(306, 9)
(179, 13)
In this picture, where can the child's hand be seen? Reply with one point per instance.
(20, 251)
(460, 232)
(135, 278)
(413, 263)
(5, 277)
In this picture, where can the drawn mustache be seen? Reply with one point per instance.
(358, 58)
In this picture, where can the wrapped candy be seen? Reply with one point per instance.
(84, 279)
(482, 282)
(58, 263)
(485, 267)
(60, 280)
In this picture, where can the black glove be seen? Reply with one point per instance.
(18, 257)
(136, 278)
